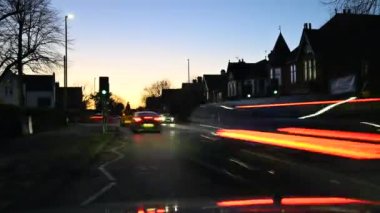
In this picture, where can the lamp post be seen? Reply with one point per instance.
(69, 16)
(188, 70)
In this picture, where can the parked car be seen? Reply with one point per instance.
(146, 121)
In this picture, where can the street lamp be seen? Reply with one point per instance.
(188, 70)
(67, 17)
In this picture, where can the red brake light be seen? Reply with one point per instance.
(148, 117)
(157, 118)
(137, 119)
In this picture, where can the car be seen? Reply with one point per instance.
(146, 121)
(167, 118)
(126, 120)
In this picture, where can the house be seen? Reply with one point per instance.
(153, 103)
(171, 99)
(8, 88)
(39, 90)
(215, 87)
(246, 80)
(278, 72)
(74, 98)
(341, 57)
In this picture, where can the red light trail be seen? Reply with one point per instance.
(332, 133)
(306, 103)
(346, 149)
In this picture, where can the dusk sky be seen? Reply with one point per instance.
(137, 42)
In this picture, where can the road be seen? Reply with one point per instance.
(152, 167)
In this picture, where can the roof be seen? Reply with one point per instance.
(215, 82)
(345, 37)
(280, 52)
(167, 93)
(242, 70)
(39, 82)
(293, 55)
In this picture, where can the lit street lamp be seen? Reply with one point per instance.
(68, 16)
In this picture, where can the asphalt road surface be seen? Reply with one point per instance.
(157, 167)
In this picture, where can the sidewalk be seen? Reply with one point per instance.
(33, 167)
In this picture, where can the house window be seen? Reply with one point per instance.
(234, 85)
(309, 69)
(314, 70)
(271, 73)
(305, 70)
(293, 73)
(231, 89)
(277, 75)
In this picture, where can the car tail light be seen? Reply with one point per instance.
(158, 118)
(137, 119)
(160, 211)
(148, 118)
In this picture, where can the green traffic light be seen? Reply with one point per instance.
(104, 92)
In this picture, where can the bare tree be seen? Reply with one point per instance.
(30, 38)
(6, 11)
(155, 89)
(356, 6)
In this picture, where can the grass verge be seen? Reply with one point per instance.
(34, 167)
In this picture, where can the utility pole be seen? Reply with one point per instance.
(94, 85)
(69, 16)
(188, 70)
(65, 69)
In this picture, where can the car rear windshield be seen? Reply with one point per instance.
(146, 114)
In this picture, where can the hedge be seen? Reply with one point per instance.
(12, 118)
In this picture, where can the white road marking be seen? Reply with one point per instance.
(98, 194)
(108, 175)
(208, 137)
(209, 126)
(327, 108)
(227, 107)
(371, 124)
(240, 163)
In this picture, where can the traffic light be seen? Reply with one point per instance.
(104, 86)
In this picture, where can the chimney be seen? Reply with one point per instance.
(194, 81)
(305, 26)
(309, 26)
(199, 78)
(223, 72)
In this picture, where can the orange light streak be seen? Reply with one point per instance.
(346, 149)
(293, 201)
(364, 100)
(251, 202)
(332, 133)
(322, 201)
